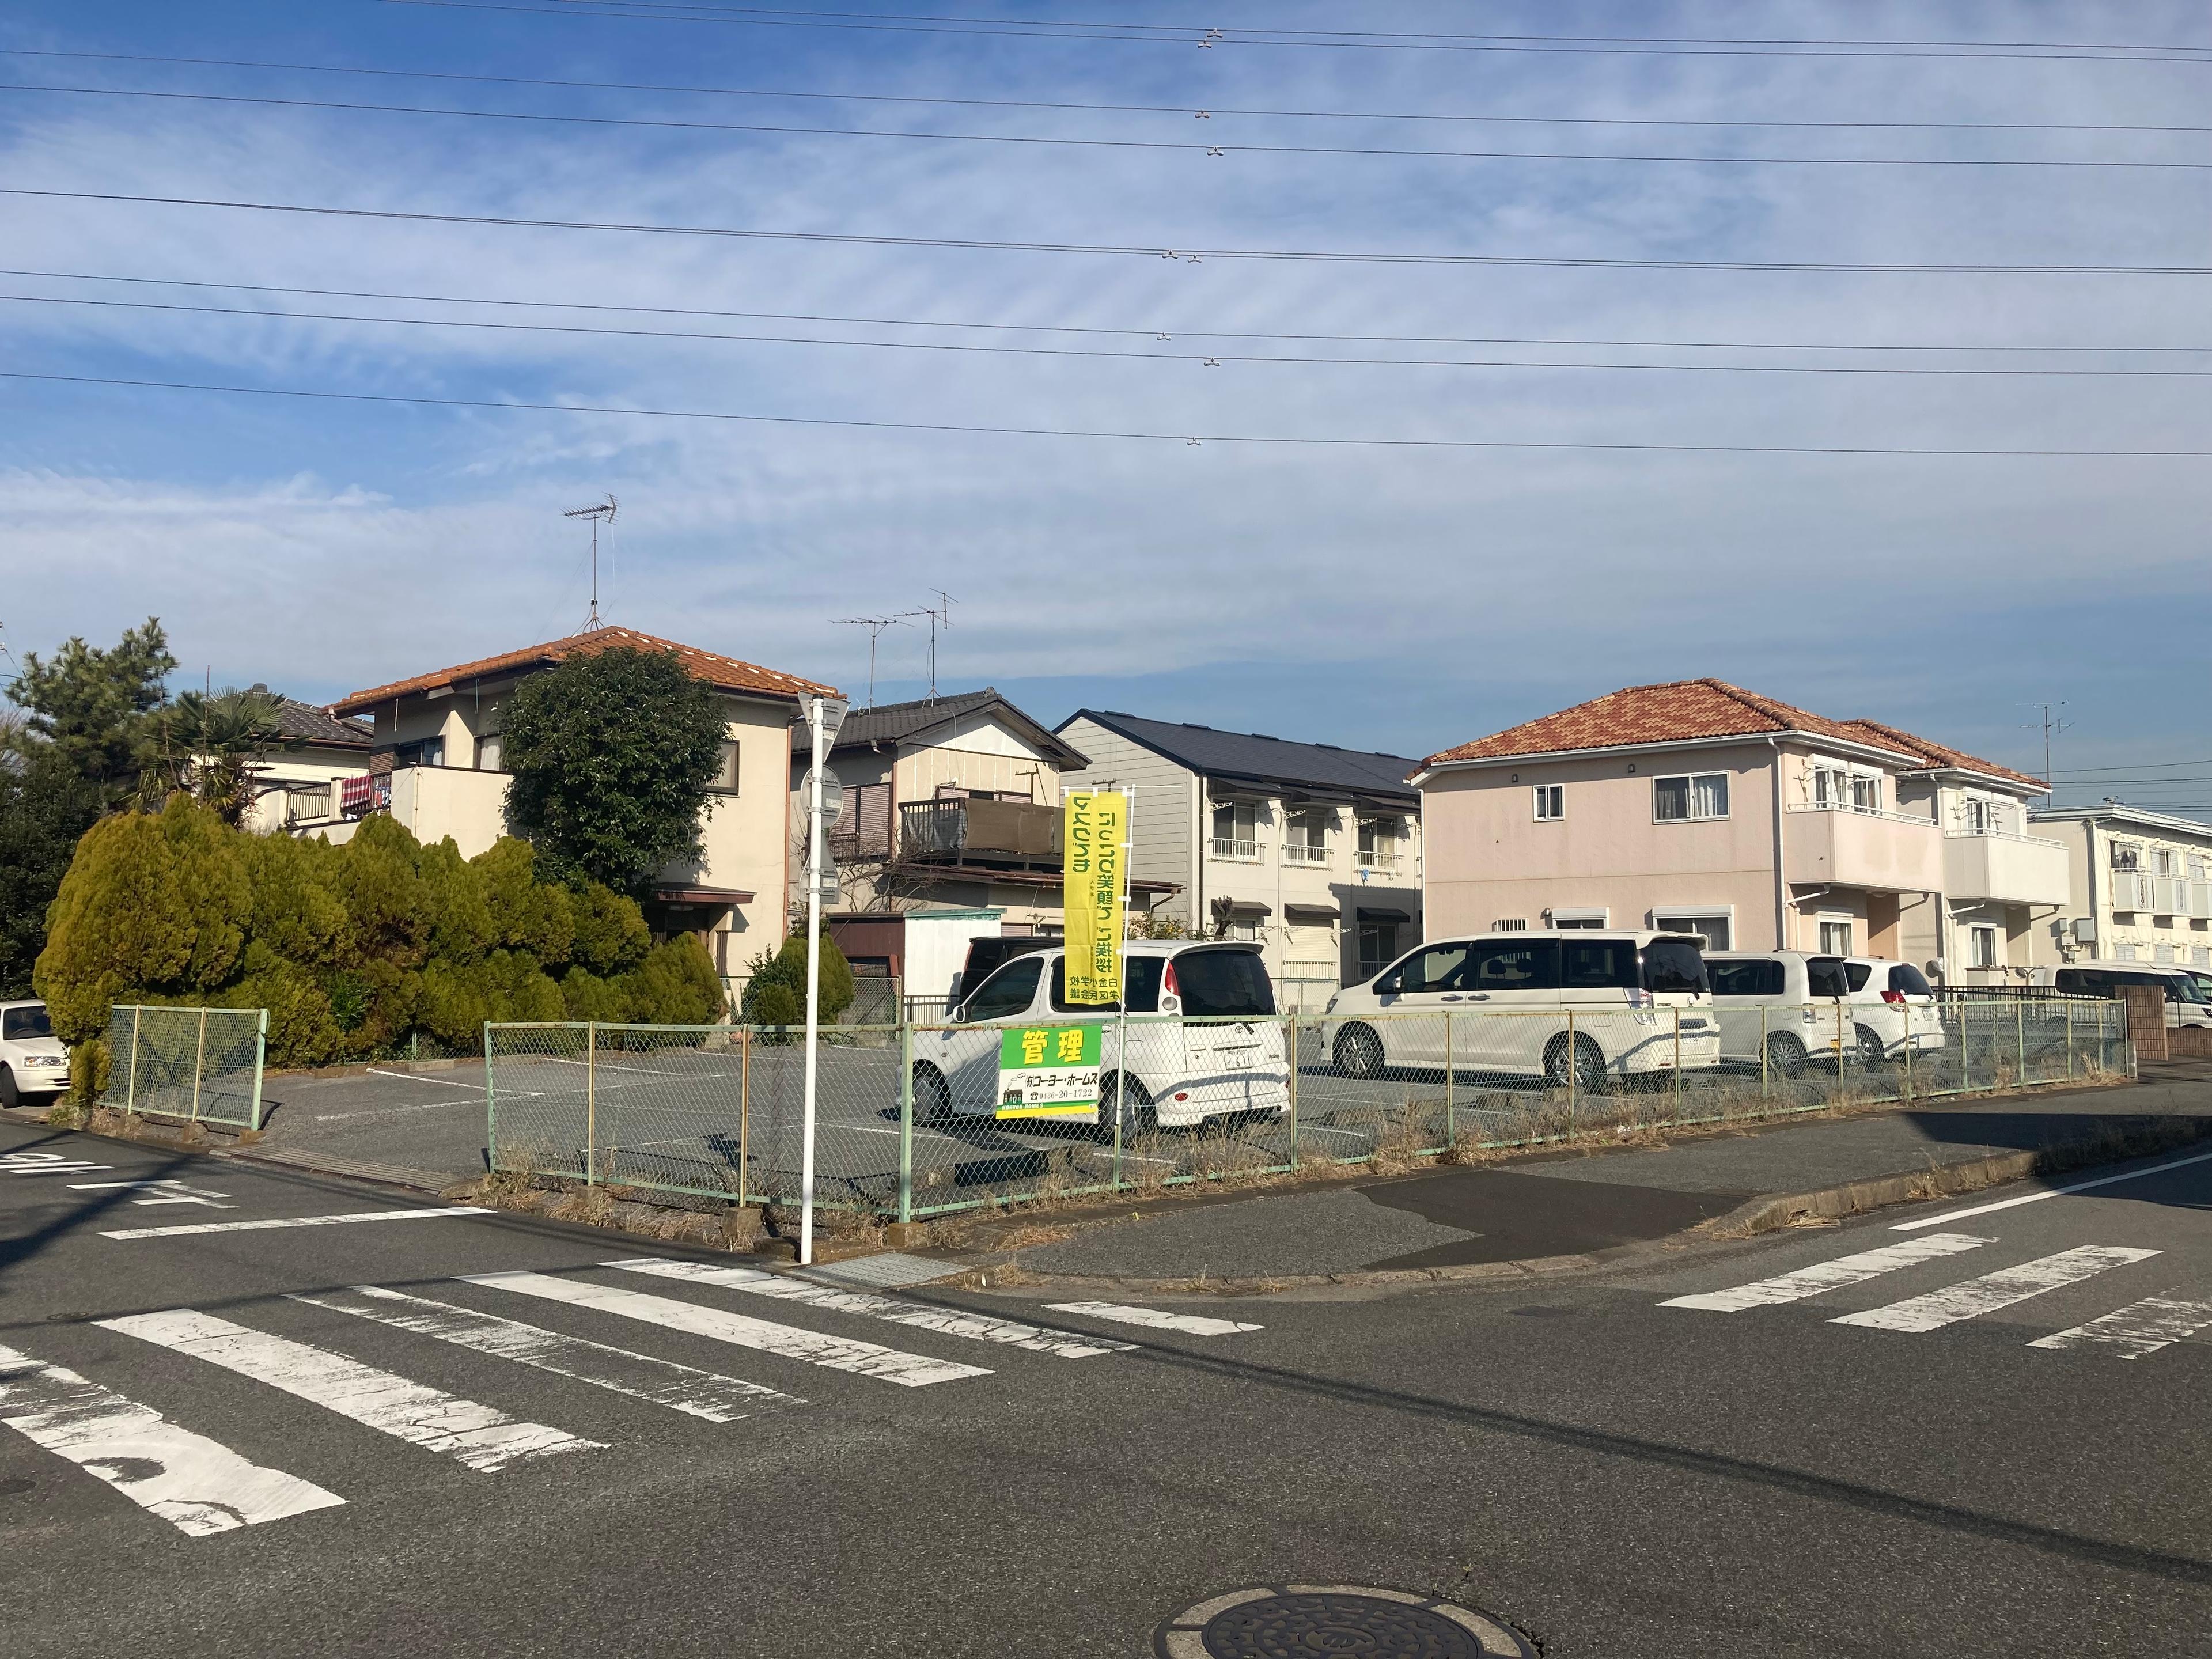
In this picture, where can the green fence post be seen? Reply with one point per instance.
(2020, 1034)
(1451, 1080)
(1574, 1074)
(1678, 1065)
(1763, 1087)
(905, 1121)
(1292, 1080)
(130, 1094)
(260, 1060)
(591, 1103)
(1908, 1053)
(491, 1121)
(199, 1062)
(2069, 1042)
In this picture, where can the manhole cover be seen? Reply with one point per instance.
(1297, 1621)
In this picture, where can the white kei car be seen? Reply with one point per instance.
(1223, 1056)
(32, 1058)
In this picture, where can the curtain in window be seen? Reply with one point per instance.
(1709, 796)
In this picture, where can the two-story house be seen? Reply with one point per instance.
(1311, 850)
(1702, 807)
(951, 832)
(434, 765)
(299, 783)
(2142, 886)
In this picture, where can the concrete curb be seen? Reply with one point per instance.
(364, 1067)
(1769, 1213)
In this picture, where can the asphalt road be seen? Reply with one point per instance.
(1618, 1476)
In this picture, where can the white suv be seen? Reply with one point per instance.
(32, 1058)
(1223, 1055)
(1799, 1004)
(1624, 989)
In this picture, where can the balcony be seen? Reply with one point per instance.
(1380, 859)
(1011, 833)
(1296, 852)
(1845, 847)
(1229, 846)
(1985, 867)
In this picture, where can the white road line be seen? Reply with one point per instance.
(949, 1322)
(197, 1484)
(477, 1435)
(298, 1221)
(1155, 1318)
(413, 1077)
(40, 1164)
(663, 1381)
(2139, 1328)
(169, 1192)
(1972, 1298)
(710, 1072)
(2052, 1192)
(838, 1353)
(1830, 1275)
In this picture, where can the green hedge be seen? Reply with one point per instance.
(354, 949)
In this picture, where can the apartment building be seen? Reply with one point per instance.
(1698, 806)
(2142, 886)
(1311, 850)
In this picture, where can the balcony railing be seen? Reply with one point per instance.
(1304, 853)
(1229, 846)
(1861, 812)
(309, 802)
(1969, 832)
(1380, 860)
(1002, 832)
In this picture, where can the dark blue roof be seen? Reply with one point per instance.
(1252, 758)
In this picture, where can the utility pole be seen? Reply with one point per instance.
(875, 625)
(940, 616)
(2052, 728)
(603, 514)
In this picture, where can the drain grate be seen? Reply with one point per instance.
(1289, 1621)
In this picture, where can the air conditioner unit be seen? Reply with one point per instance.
(2085, 930)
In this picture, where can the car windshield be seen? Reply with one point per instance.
(1673, 964)
(1232, 984)
(2183, 987)
(18, 1023)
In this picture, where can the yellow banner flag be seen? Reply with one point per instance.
(1091, 855)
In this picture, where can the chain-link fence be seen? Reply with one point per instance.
(921, 1119)
(187, 1062)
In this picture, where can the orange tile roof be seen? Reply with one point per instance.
(726, 673)
(1684, 710)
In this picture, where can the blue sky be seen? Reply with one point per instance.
(1396, 598)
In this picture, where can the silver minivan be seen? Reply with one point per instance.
(2187, 1002)
(1784, 1007)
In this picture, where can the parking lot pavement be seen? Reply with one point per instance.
(423, 1120)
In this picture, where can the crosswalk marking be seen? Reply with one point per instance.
(477, 1435)
(1157, 1319)
(2139, 1328)
(812, 1347)
(1974, 1296)
(949, 1322)
(663, 1381)
(1830, 1275)
(39, 1163)
(298, 1221)
(164, 1192)
(197, 1484)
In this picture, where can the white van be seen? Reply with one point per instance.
(1624, 989)
(1223, 1055)
(2187, 1002)
(32, 1058)
(1800, 1003)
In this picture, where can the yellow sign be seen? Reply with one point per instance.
(1092, 850)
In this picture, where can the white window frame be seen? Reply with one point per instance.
(1378, 843)
(1573, 917)
(1551, 795)
(1689, 780)
(1984, 945)
(1217, 842)
(1664, 921)
(1847, 924)
(1304, 820)
(730, 764)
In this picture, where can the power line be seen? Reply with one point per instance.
(1203, 112)
(1214, 360)
(1221, 151)
(1134, 434)
(1193, 255)
(639, 11)
(1150, 333)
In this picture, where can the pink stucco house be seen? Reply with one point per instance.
(1702, 807)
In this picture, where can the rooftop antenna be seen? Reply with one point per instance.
(940, 616)
(2051, 728)
(602, 513)
(875, 625)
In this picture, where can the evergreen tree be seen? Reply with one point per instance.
(46, 806)
(92, 705)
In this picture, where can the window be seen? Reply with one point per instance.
(2196, 869)
(430, 751)
(1378, 843)
(1857, 974)
(1531, 967)
(1551, 802)
(1598, 964)
(1910, 981)
(1236, 830)
(1824, 977)
(1569, 920)
(1378, 947)
(2161, 862)
(1866, 792)
(1439, 968)
(1982, 947)
(2123, 953)
(1008, 992)
(1672, 966)
(1141, 986)
(2161, 953)
(1305, 837)
(20, 1024)
(1836, 938)
(1977, 815)
(1713, 929)
(2126, 855)
(1746, 979)
(1227, 984)
(1703, 796)
(490, 751)
(725, 774)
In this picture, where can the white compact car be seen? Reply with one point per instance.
(1801, 1004)
(31, 1059)
(2187, 1001)
(1516, 991)
(1223, 1056)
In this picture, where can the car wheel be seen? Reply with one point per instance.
(1871, 1052)
(1785, 1055)
(1585, 1071)
(1358, 1052)
(1135, 1105)
(9, 1093)
(932, 1098)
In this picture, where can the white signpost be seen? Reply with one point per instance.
(823, 716)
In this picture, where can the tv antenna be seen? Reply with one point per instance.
(875, 625)
(602, 513)
(2052, 728)
(940, 616)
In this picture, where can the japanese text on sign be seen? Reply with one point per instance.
(1093, 852)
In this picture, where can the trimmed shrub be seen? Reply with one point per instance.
(777, 993)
